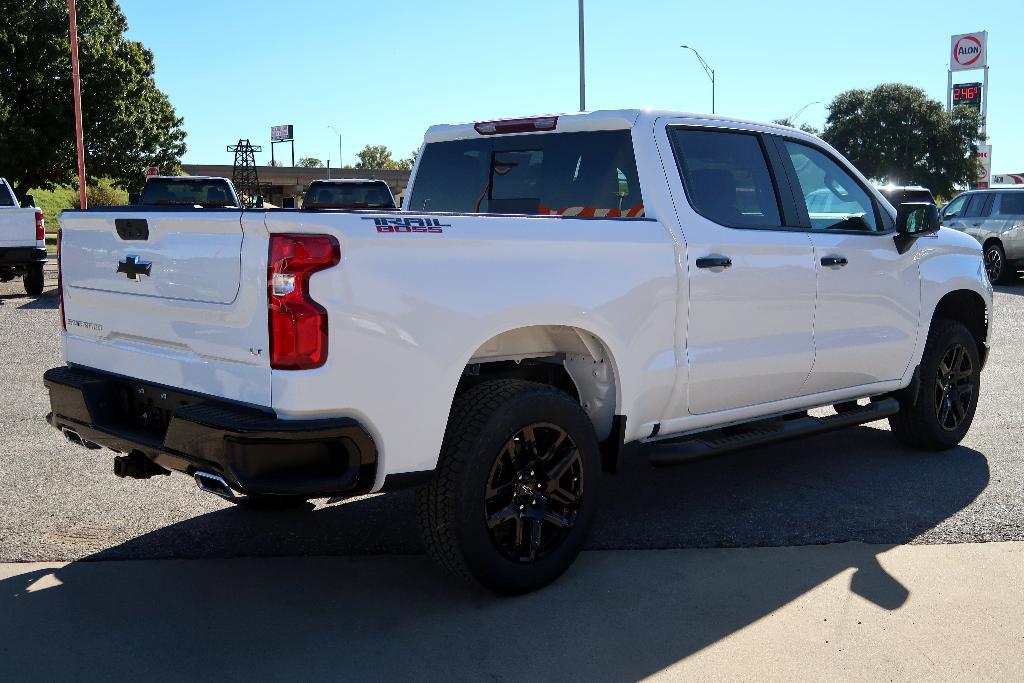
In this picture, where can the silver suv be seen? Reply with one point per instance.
(996, 219)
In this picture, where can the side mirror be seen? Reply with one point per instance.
(914, 219)
(917, 218)
(28, 201)
(288, 203)
(257, 202)
(134, 198)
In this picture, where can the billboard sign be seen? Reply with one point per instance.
(1008, 179)
(152, 171)
(969, 51)
(282, 133)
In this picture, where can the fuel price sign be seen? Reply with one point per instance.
(967, 95)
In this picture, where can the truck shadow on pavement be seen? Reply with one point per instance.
(613, 615)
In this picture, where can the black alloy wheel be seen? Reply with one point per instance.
(954, 387)
(995, 264)
(533, 492)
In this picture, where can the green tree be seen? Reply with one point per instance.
(895, 133)
(805, 127)
(129, 123)
(376, 157)
(100, 193)
(310, 162)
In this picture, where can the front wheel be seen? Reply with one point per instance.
(948, 395)
(33, 280)
(515, 489)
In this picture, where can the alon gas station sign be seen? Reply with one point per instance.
(967, 52)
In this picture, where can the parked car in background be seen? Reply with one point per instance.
(22, 241)
(349, 193)
(996, 219)
(558, 286)
(204, 191)
(901, 194)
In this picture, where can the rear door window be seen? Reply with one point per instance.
(726, 177)
(590, 174)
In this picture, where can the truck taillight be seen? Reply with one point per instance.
(297, 323)
(60, 283)
(530, 125)
(40, 228)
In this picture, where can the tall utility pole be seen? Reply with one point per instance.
(83, 197)
(708, 70)
(339, 144)
(583, 76)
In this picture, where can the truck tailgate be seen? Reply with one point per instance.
(173, 297)
(17, 227)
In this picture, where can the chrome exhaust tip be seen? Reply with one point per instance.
(215, 484)
(76, 438)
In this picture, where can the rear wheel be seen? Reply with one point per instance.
(948, 395)
(515, 489)
(999, 271)
(33, 280)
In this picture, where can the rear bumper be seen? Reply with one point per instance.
(253, 450)
(15, 256)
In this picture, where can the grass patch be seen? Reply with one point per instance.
(52, 202)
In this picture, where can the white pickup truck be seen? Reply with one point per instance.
(22, 242)
(555, 287)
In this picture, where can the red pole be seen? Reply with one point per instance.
(79, 135)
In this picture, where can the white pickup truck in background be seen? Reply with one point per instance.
(22, 241)
(555, 287)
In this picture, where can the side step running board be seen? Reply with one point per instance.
(706, 444)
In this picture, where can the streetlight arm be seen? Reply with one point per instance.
(707, 67)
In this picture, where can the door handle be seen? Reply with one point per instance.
(714, 262)
(834, 261)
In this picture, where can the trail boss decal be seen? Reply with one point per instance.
(407, 224)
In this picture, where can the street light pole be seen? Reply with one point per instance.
(708, 70)
(339, 144)
(799, 111)
(583, 77)
(83, 197)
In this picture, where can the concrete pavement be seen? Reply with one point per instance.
(847, 611)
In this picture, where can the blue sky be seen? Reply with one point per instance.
(382, 72)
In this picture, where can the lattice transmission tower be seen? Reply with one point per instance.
(244, 174)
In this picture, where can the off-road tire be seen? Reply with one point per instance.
(917, 424)
(452, 508)
(33, 280)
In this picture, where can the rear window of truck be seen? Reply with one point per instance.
(322, 195)
(6, 197)
(588, 174)
(187, 193)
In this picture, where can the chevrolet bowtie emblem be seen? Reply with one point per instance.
(132, 266)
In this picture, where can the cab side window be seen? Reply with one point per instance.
(955, 208)
(726, 177)
(834, 199)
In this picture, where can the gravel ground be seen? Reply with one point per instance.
(59, 502)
